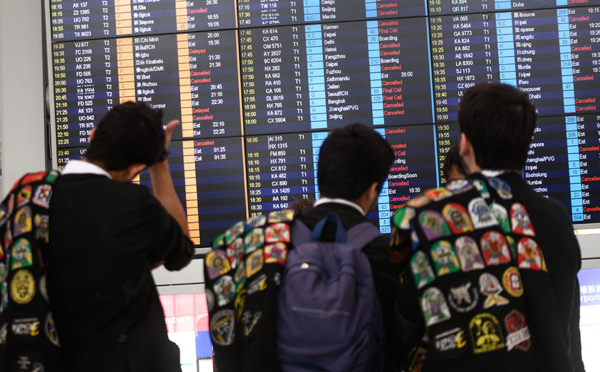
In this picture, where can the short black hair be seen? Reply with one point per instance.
(130, 133)
(453, 159)
(499, 121)
(351, 159)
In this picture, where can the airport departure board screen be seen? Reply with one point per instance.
(258, 85)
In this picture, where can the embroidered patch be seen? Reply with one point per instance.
(256, 221)
(21, 255)
(254, 262)
(1, 251)
(416, 365)
(403, 217)
(222, 327)
(482, 188)
(43, 288)
(512, 246)
(452, 342)
(258, 284)
(459, 186)
(25, 327)
(50, 330)
(224, 290)
(51, 177)
(434, 306)
(276, 253)
(480, 214)
(486, 333)
(283, 215)
(490, 287)
(3, 333)
(520, 221)
(419, 201)
(279, 232)
(235, 252)
(518, 333)
(457, 217)
(501, 216)
(240, 277)
(8, 235)
(33, 177)
(219, 242)
(529, 255)
(22, 287)
(444, 258)
(42, 223)
(495, 249)
(463, 297)
(24, 196)
(438, 194)
(22, 221)
(433, 225)
(422, 271)
(239, 303)
(3, 272)
(501, 187)
(255, 239)
(468, 254)
(511, 281)
(234, 232)
(250, 321)
(217, 264)
(210, 300)
(42, 195)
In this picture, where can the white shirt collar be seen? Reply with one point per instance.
(323, 200)
(83, 167)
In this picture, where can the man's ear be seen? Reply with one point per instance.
(465, 145)
(92, 133)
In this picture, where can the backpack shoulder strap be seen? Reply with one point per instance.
(362, 234)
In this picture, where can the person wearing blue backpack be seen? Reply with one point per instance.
(311, 290)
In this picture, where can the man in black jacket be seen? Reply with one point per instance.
(107, 234)
(496, 123)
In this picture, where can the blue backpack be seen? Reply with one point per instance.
(329, 316)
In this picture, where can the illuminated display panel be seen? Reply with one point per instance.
(258, 85)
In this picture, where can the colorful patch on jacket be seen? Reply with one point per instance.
(438, 194)
(501, 187)
(222, 327)
(42, 195)
(457, 217)
(520, 221)
(50, 330)
(501, 216)
(403, 217)
(224, 289)
(235, 252)
(468, 254)
(511, 281)
(239, 277)
(421, 269)
(33, 177)
(21, 254)
(284, 215)
(254, 262)
(256, 221)
(8, 234)
(529, 255)
(481, 215)
(486, 333)
(219, 242)
(463, 296)
(276, 253)
(452, 343)
(418, 201)
(459, 186)
(22, 221)
(217, 263)
(249, 321)
(42, 224)
(518, 333)
(254, 240)
(234, 232)
(278, 232)
(434, 307)
(51, 177)
(495, 249)
(22, 287)
(24, 196)
(482, 188)
(490, 286)
(433, 225)
(444, 258)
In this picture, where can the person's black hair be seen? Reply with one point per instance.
(453, 159)
(130, 133)
(499, 121)
(351, 159)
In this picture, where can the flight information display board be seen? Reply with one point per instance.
(258, 85)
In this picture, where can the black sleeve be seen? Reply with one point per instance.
(172, 245)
